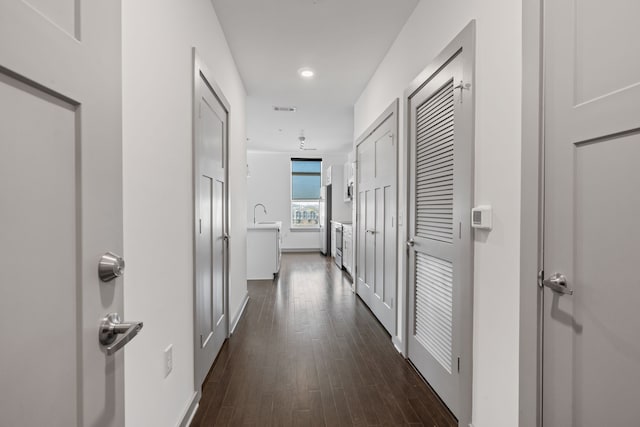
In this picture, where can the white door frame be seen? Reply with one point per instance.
(200, 70)
(531, 220)
(391, 110)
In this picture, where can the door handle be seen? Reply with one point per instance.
(111, 327)
(411, 243)
(226, 237)
(371, 231)
(557, 283)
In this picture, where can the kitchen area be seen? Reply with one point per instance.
(338, 239)
(276, 224)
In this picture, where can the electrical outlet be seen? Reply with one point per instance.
(168, 360)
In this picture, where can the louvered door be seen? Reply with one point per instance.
(438, 219)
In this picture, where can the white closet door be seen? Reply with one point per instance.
(440, 255)
(377, 224)
(211, 220)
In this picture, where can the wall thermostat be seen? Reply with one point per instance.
(481, 217)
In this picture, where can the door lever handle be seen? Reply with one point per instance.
(557, 283)
(111, 327)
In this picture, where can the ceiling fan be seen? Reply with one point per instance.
(302, 140)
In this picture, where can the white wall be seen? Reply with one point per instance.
(158, 221)
(269, 183)
(497, 175)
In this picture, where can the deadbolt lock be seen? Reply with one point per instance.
(110, 267)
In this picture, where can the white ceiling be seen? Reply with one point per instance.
(343, 41)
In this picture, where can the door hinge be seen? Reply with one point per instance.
(458, 365)
(462, 86)
(200, 225)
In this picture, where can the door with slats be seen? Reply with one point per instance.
(440, 178)
(376, 210)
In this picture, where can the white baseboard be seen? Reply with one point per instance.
(190, 411)
(398, 344)
(301, 250)
(239, 314)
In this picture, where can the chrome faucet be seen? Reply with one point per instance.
(254, 210)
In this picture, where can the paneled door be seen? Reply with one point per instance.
(211, 203)
(60, 211)
(591, 332)
(376, 219)
(440, 177)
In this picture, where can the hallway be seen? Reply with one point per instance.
(308, 352)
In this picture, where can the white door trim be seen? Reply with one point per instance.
(531, 220)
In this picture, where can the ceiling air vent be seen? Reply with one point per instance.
(285, 109)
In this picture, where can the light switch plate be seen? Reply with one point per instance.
(168, 360)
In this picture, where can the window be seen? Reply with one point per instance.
(306, 178)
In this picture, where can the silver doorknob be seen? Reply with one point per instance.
(226, 237)
(557, 283)
(111, 327)
(110, 267)
(411, 243)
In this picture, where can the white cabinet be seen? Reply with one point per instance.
(347, 248)
(263, 250)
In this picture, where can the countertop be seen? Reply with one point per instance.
(267, 225)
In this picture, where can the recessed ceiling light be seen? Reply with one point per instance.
(306, 73)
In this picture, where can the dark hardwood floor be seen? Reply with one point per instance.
(308, 352)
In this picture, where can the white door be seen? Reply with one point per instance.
(591, 359)
(60, 211)
(440, 178)
(211, 239)
(377, 228)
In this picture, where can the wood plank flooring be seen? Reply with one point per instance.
(308, 352)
